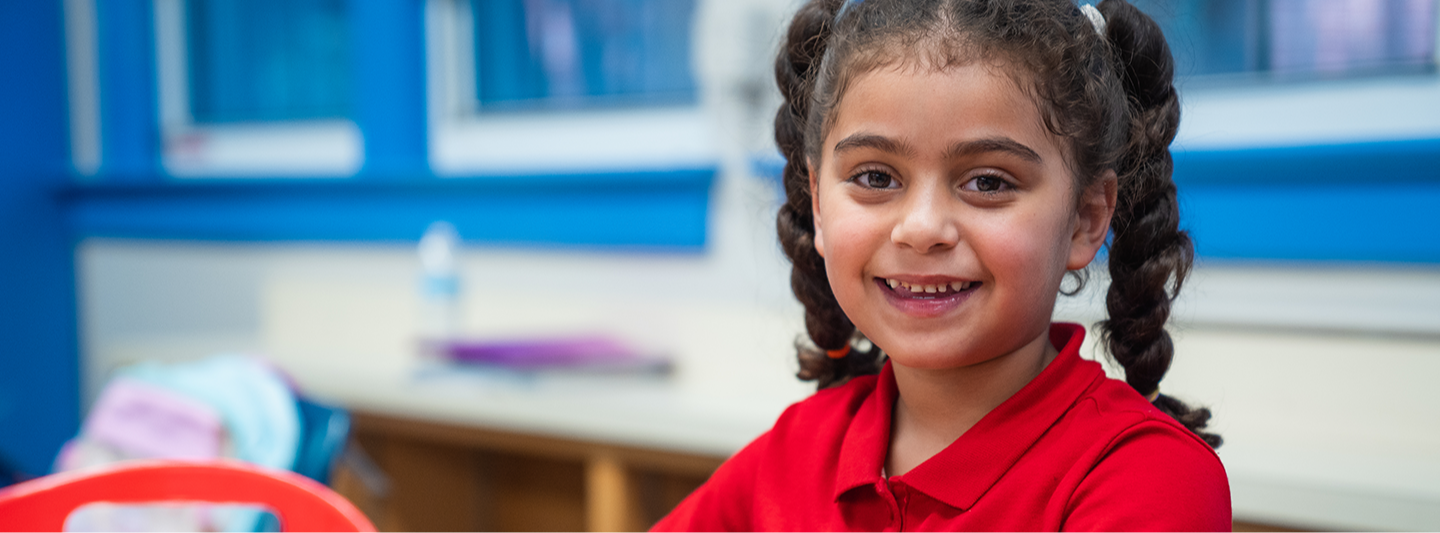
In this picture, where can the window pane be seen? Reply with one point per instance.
(582, 53)
(263, 60)
(1209, 36)
(1336, 36)
(1307, 37)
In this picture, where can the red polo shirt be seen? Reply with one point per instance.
(1072, 450)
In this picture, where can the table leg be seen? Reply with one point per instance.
(611, 501)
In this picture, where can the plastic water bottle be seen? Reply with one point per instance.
(439, 285)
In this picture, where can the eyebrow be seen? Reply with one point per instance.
(993, 144)
(959, 149)
(878, 142)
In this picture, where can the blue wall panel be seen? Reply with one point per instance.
(642, 211)
(39, 370)
(1357, 202)
(1394, 223)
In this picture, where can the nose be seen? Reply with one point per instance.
(928, 223)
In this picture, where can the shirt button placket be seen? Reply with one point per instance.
(902, 497)
(896, 518)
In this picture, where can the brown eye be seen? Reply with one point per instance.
(875, 180)
(987, 183)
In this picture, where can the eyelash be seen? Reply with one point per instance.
(859, 178)
(1003, 185)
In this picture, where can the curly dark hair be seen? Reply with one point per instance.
(1111, 97)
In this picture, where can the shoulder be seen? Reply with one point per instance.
(804, 443)
(827, 411)
(807, 439)
(1148, 472)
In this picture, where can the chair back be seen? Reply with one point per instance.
(300, 503)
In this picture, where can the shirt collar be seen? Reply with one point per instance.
(963, 471)
(867, 440)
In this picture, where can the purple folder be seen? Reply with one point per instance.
(597, 353)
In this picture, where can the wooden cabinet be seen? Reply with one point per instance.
(449, 477)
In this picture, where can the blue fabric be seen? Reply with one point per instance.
(257, 406)
(324, 431)
(259, 410)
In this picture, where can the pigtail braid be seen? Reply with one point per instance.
(1150, 255)
(828, 327)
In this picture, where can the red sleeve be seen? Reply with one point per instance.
(721, 503)
(1156, 477)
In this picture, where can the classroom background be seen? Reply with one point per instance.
(184, 178)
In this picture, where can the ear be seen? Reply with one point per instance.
(1092, 225)
(815, 206)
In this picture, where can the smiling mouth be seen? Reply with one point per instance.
(919, 291)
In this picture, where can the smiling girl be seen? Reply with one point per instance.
(949, 162)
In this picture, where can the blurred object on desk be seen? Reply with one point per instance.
(581, 353)
(440, 317)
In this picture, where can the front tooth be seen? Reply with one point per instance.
(957, 286)
(930, 289)
(943, 287)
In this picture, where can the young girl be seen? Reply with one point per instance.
(949, 162)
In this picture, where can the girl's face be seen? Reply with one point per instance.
(947, 215)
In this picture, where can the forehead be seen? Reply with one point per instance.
(943, 105)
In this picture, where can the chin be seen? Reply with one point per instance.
(940, 354)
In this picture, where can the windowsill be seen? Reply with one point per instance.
(593, 141)
(310, 149)
(1303, 114)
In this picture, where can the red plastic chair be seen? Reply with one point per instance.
(300, 503)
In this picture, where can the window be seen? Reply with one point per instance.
(543, 86)
(1297, 38)
(255, 88)
(264, 60)
(536, 54)
(338, 89)
(1287, 103)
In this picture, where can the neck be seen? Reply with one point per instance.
(936, 406)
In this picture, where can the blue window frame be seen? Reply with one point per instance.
(548, 54)
(366, 59)
(267, 60)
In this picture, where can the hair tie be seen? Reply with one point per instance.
(1154, 395)
(844, 8)
(1096, 19)
(840, 353)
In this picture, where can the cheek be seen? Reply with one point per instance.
(842, 240)
(852, 237)
(1031, 250)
